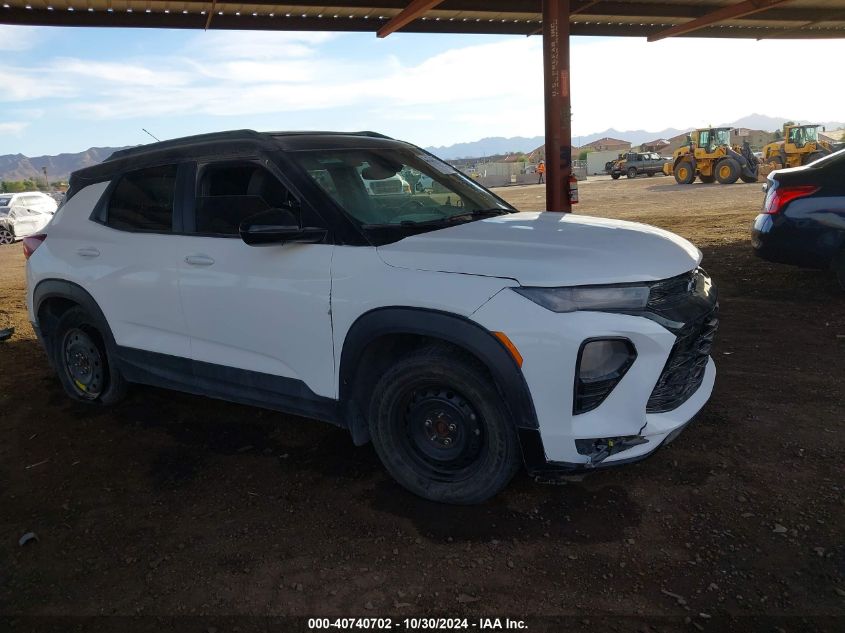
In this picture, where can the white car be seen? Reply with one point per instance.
(22, 214)
(460, 336)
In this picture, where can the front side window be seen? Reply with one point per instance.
(5, 201)
(398, 188)
(229, 193)
(723, 137)
(142, 200)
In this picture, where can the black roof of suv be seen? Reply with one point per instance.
(232, 143)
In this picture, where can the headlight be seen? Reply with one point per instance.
(588, 297)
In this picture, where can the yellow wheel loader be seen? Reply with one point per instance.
(800, 145)
(709, 155)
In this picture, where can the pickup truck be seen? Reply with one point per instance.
(633, 164)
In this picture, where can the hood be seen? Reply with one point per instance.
(548, 249)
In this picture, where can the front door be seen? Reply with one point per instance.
(258, 317)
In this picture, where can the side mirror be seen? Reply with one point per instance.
(278, 226)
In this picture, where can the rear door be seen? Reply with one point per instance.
(128, 257)
(259, 317)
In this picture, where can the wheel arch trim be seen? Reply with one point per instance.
(451, 328)
(63, 289)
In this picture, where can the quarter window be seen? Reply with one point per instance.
(143, 200)
(231, 192)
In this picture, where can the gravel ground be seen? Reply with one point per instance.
(175, 505)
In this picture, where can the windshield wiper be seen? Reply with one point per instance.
(469, 216)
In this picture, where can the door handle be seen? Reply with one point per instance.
(88, 252)
(199, 260)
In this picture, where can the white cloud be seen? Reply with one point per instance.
(633, 84)
(18, 38)
(459, 94)
(24, 84)
(218, 85)
(14, 128)
(257, 45)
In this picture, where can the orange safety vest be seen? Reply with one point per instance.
(541, 168)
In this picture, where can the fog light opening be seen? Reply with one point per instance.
(601, 365)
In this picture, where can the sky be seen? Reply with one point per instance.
(65, 90)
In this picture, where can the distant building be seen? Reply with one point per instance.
(608, 144)
(657, 145)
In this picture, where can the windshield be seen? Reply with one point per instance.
(802, 135)
(398, 188)
(722, 137)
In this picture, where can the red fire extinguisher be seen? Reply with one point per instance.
(573, 189)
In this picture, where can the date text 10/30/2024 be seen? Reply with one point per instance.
(417, 624)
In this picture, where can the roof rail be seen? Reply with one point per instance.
(185, 140)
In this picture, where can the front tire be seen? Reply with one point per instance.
(442, 430)
(85, 368)
(6, 236)
(727, 171)
(632, 172)
(615, 176)
(684, 172)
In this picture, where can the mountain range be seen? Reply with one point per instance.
(20, 167)
(59, 167)
(498, 145)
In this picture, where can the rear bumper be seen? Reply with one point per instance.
(778, 240)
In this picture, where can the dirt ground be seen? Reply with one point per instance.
(175, 505)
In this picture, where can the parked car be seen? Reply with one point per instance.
(22, 214)
(458, 335)
(803, 218)
(633, 164)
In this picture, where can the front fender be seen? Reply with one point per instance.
(451, 328)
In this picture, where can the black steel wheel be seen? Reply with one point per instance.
(83, 364)
(441, 429)
(81, 359)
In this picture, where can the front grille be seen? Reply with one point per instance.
(684, 369)
(688, 307)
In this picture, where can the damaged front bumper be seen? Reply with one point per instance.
(659, 430)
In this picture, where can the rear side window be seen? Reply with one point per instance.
(143, 200)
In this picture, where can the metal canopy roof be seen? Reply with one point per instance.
(760, 19)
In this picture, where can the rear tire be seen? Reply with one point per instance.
(632, 172)
(6, 236)
(441, 429)
(82, 360)
(727, 171)
(684, 172)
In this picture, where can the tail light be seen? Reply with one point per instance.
(778, 196)
(31, 243)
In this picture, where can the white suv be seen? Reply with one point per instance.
(23, 214)
(460, 336)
